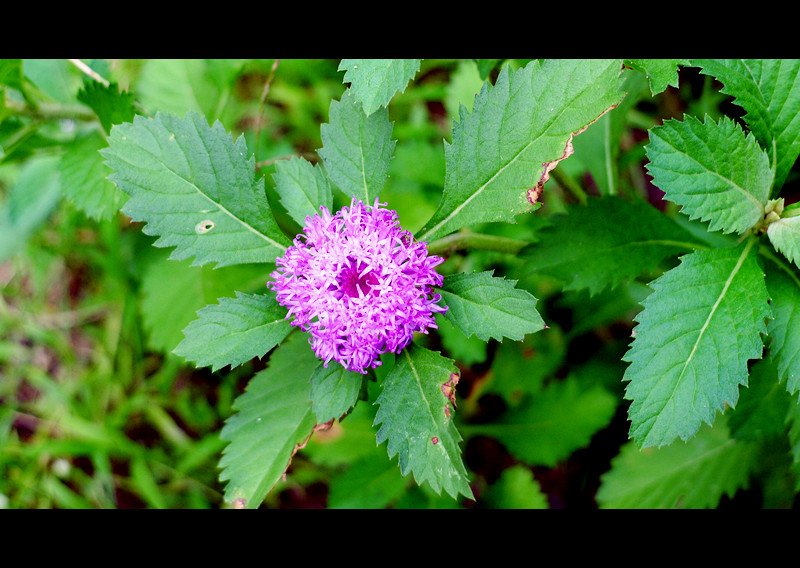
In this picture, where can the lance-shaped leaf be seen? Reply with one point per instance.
(416, 417)
(302, 187)
(489, 306)
(334, 391)
(690, 476)
(374, 82)
(784, 328)
(784, 234)
(518, 130)
(356, 148)
(699, 327)
(605, 242)
(273, 417)
(195, 188)
(234, 331)
(713, 171)
(769, 90)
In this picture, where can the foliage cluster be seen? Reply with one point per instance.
(622, 281)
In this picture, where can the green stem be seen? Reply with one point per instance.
(568, 182)
(466, 240)
(50, 111)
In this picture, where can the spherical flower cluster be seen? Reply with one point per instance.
(359, 284)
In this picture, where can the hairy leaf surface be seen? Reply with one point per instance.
(769, 90)
(416, 417)
(690, 476)
(713, 171)
(605, 242)
(699, 327)
(195, 188)
(374, 82)
(784, 234)
(272, 418)
(784, 327)
(302, 187)
(489, 307)
(334, 391)
(518, 130)
(357, 149)
(234, 331)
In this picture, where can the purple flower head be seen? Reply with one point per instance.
(359, 284)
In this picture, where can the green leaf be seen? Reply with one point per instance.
(11, 73)
(784, 234)
(273, 417)
(605, 242)
(763, 406)
(699, 327)
(371, 482)
(518, 130)
(234, 331)
(172, 293)
(416, 417)
(784, 327)
(357, 149)
(693, 475)
(516, 489)
(489, 306)
(83, 178)
(374, 82)
(334, 391)
(181, 85)
(195, 188)
(29, 202)
(550, 425)
(302, 187)
(660, 73)
(713, 171)
(769, 90)
(109, 104)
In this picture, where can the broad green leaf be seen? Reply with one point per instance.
(374, 82)
(416, 417)
(357, 149)
(234, 331)
(693, 475)
(713, 171)
(28, 203)
(660, 73)
(172, 292)
(83, 178)
(598, 149)
(516, 489)
(489, 306)
(302, 187)
(273, 417)
(699, 327)
(551, 424)
(518, 130)
(109, 104)
(181, 85)
(371, 482)
(605, 242)
(465, 350)
(769, 90)
(195, 188)
(763, 405)
(784, 327)
(334, 391)
(784, 234)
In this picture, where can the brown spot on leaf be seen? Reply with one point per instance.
(239, 503)
(449, 390)
(435, 440)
